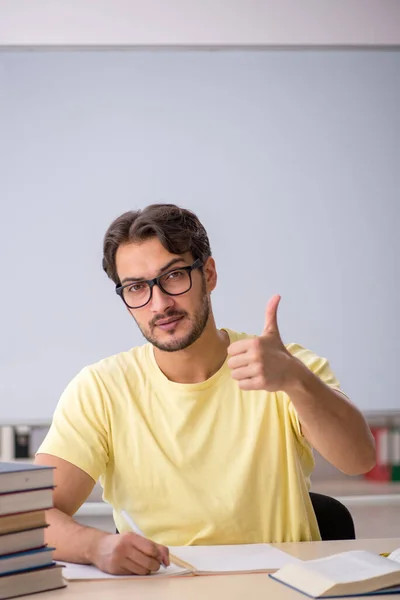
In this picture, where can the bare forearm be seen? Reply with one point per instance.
(332, 424)
(73, 542)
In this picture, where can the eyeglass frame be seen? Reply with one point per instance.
(119, 289)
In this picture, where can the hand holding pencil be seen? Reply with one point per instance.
(172, 558)
(127, 554)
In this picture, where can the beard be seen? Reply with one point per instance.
(199, 322)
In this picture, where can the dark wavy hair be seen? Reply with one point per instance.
(178, 229)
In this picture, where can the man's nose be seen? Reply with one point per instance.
(160, 302)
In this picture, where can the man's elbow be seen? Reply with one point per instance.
(361, 463)
(369, 462)
(364, 455)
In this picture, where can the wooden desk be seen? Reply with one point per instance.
(219, 587)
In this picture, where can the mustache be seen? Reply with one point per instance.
(168, 315)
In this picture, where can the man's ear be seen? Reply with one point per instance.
(210, 274)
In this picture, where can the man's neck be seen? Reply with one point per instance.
(200, 361)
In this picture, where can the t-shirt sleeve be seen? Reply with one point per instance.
(79, 431)
(322, 369)
(319, 366)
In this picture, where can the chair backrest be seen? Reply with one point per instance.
(334, 519)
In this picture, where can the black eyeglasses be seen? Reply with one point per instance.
(137, 294)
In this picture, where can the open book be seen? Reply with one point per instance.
(203, 560)
(351, 573)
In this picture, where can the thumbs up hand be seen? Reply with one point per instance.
(263, 363)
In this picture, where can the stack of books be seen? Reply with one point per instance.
(26, 562)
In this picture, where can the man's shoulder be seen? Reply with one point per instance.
(297, 350)
(119, 364)
(307, 356)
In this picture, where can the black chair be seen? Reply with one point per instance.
(334, 519)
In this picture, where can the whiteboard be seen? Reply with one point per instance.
(290, 158)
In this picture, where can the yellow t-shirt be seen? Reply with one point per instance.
(201, 463)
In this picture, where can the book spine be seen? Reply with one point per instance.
(395, 453)
(382, 470)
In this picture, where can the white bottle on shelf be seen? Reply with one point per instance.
(7, 444)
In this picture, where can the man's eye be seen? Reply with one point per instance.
(176, 274)
(136, 287)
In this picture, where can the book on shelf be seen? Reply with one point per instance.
(381, 470)
(395, 453)
(387, 443)
(352, 573)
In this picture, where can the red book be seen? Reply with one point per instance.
(382, 470)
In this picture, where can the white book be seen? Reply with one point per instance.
(18, 476)
(203, 560)
(345, 574)
(20, 541)
(31, 582)
(12, 503)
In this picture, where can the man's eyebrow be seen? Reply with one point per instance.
(163, 268)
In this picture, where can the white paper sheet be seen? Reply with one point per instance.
(206, 559)
(226, 559)
(74, 571)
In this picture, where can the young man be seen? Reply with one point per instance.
(203, 435)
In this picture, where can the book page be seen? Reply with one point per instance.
(356, 565)
(395, 555)
(73, 571)
(232, 559)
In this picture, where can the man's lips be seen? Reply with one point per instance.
(168, 323)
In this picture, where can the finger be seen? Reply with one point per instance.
(141, 543)
(271, 315)
(239, 347)
(150, 548)
(146, 563)
(252, 383)
(129, 566)
(247, 372)
(126, 566)
(164, 554)
(240, 360)
(143, 551)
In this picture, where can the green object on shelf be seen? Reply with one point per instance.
(396, 473)
(395, 453)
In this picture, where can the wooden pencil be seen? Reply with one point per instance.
(181, 563)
